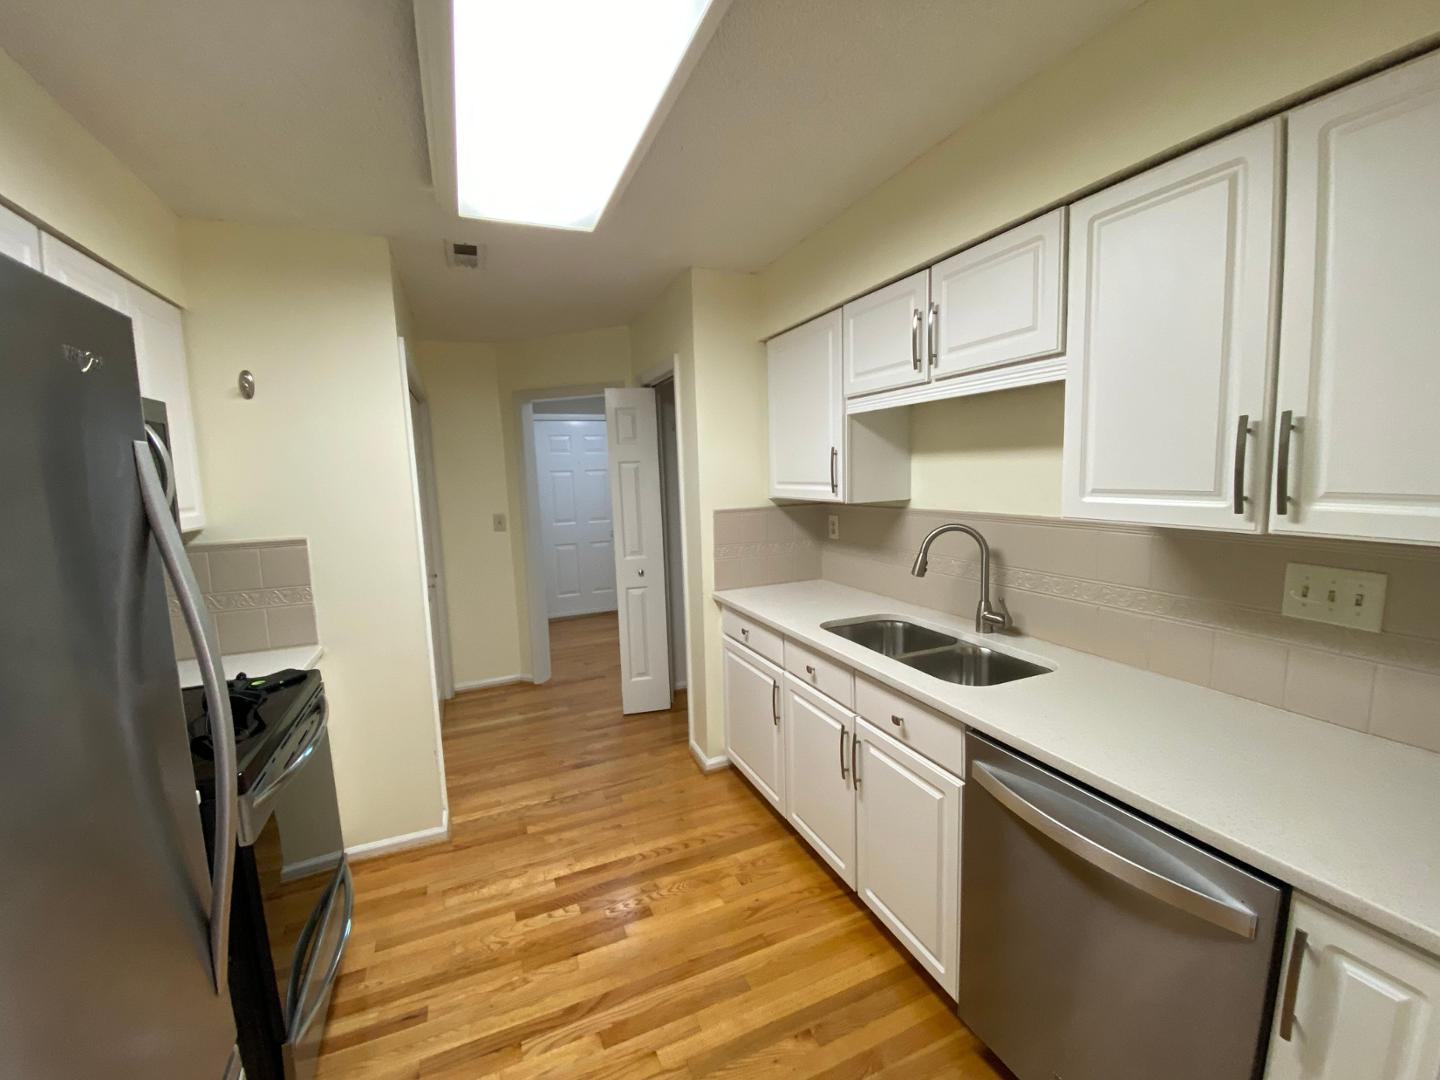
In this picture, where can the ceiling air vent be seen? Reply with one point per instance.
(464, 256)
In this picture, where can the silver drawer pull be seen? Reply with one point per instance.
(898, 721)
(810, 670)
(1292, 984)
(745, 632)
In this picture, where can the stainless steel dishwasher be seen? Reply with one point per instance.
(1098, 945)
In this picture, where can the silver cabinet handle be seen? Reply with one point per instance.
(745, 632)
(332, 969)
(915, 338)
(163, 452)
(1242, 443)
(1282, 464)
(933, 325)
(1292, 984)
(810, 670)
(217, 700)
(855, 760)
(834, 471)
(775, 702)
(844, 772)
(898, 721)
(1225, 914)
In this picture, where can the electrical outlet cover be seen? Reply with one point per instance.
(499, 522)
(1353, 598)
(833, 527)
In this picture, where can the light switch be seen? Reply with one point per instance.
(833, 527)
(499, 521)
(1353, 598)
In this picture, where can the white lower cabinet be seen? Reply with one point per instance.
(754, 740)
(907, 816)
(1354, 1005)
(818, 758)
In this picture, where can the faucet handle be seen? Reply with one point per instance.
(989, 619)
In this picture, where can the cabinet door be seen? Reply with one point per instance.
(1364, 1007)
(753, 739)
(817, 776)
(1358, 366)
(164, 375)
(19, 239)
(807, 412)
(908, 818)
(886, 337)
(1171, 309)
(83, 274)
(1000, 302)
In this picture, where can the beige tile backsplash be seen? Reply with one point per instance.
(1195, 606)
(258, 593)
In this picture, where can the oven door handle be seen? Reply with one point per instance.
(1224, 913)
(262, 794)
(303, 1015)
(217, 701)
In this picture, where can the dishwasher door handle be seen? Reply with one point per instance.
(1225, 914)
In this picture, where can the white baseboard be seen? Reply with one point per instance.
(707, 764)
(498, 680)
(391, 844)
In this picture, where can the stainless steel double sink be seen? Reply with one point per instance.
(945, 657)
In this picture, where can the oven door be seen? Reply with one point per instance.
(308, 899)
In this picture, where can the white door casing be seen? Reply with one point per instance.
(807, 412)
(754, 741)
(634, 444)
(573, 480)
(1001, 302)
(1358, 366)
(818, 790)
(907, 814)
(430, 545)
(887, 337)
(1171, 316)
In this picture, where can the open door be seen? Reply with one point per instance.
(634, 441)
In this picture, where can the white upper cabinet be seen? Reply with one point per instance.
(165, 375)
(807, 412)
(1000, 302)
(1360, 334)
(19, 239)
(1354, 1005)
(1171, 319)
(160, 359)
(887, 337)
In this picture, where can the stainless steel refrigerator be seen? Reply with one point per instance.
(112, 925)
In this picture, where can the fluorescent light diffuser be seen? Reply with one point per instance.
(553, 96)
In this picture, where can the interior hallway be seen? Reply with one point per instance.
(602, 909)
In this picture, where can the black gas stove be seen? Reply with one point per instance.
(264, 709)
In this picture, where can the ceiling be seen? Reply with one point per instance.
(308, 113)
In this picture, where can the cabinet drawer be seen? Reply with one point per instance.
(923, 730)
(747, 631)
(832, 679)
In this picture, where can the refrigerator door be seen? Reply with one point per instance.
(104, 915)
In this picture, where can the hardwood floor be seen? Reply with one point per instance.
(603, 909)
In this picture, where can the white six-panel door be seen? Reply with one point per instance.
(1001, 301)
(573, 478)
(754, 741)
(807, 412)
(886, 337)
(634, 445)
(1171, 314)
(908, 822)
(1360, 333)
(819, 793)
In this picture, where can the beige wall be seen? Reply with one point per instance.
(1162, 75)
(462, 390)
(53, 170)
(322, 452)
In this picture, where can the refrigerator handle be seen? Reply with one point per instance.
(217, 700)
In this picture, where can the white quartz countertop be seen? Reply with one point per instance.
(1349, 818)
(263, 662)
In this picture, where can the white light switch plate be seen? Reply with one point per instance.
(1353, 598)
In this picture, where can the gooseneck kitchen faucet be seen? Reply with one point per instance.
(987, 618)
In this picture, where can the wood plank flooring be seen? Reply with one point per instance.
(603, 909)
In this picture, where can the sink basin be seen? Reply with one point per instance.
(890, 637)
(935, 653)
(972, 665)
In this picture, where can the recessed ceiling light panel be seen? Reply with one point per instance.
(555, 100)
